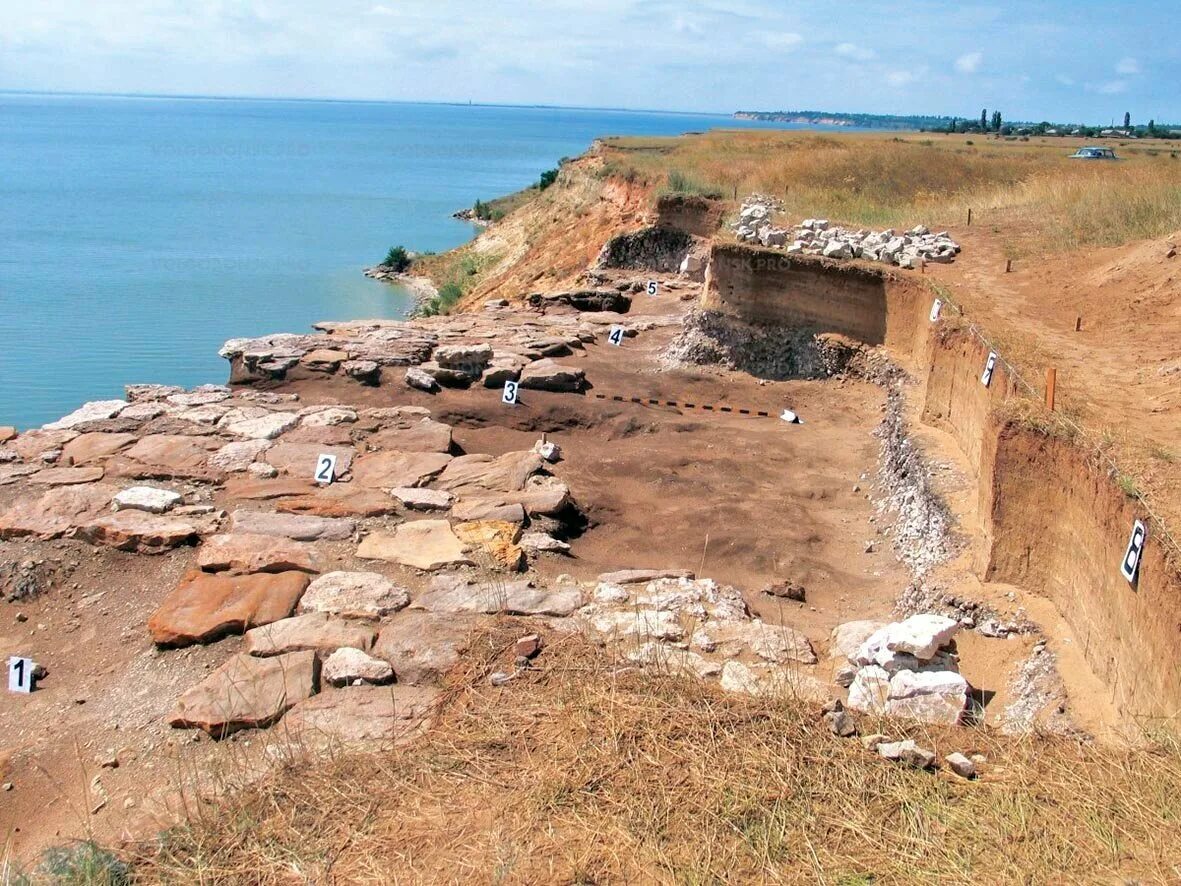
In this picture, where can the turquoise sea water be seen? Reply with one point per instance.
(137, 234)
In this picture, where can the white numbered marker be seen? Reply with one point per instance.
(791, 418)
(1131, 564)
(935, 309)
(20, 674)
(325, 468)
(989, 366)
(653, 286)
(616, 336)
(510, 393)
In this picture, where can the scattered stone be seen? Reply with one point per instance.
(147, 498)
(869, 690)
(849, 637)
(931, 696)
(637, 576)
(539, 542)
(470, 510)
(840, 723)
(354, 595)
(420, 379)
(960, 765)
(205, 607)
(494, 539)
(546, 375)
(293, 526)
(871, 742)
(245, 552)
(787, 590)
(347, 665)
(313, 630)
(454, 593)
(421, 544)
(528, 646)
(367, 372)
(920, 635)
(144, 533)
(908, 753)
(247, 692)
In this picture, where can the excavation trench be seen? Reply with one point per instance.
(1048, 517)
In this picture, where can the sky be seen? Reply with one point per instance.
(1062, 60)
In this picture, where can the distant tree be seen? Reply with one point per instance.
(1152, 127)
(996, 121)
(984, 119)
(547, 178)
(951, 125)
(1127, 119)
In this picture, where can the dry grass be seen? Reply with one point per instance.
(582, 774)
(871, 179)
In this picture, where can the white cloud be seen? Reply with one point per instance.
(1064, 80)
(782, 40)
(855, 52)
(900, 78)
(969, 63)
(1127, 65)
(1112, 87)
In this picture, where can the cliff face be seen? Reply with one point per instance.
(548, 242)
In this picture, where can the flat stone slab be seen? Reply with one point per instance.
(313, 630)
(479, 472)
(931, 696)
(423, 646)
(920, 636)
(390, 470)
(638, 576)
(294, 526)
(349, 664)
(67, 476)
(421, 436)
(168, 456)
(420, 544)
(246, 693)
(548, 375)
(363, 716)
(256, 423)
(146, 498)
(418, 499)
(847, 638)
(339, 500)
(206, 607)
(145, 533)
(242, 553)
(56, 511)
(299, 459)
(354, 595)
(86, 449)
(96, 410)
(495, 540)
(454, 593)
(239, 455)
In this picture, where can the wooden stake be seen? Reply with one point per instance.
(1051, 385)
(1008, 265)
(1078, 324)
(969, 216)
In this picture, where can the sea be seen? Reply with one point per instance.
(138, 233)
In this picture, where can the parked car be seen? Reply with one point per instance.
(1094, 154)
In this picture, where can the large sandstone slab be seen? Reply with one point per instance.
(422, 436)
(56, 511)
(256, 423)
(168, 456)
(67, 476)
(246, 693)
(206, 607)
(294, 526)
(423, 646)
(96, 410)
(354, 595)
(371, 717)
(299, 459)
(242, 553)
(479, 472)
(144, 533)
(420, 544)
(339, 500)
(548, 375)
(317, 631)
(87, 449)
(454, 593)
(390, 470)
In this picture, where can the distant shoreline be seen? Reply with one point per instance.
(421, 288)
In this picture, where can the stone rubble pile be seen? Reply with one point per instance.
(905, 669)
(816, 236)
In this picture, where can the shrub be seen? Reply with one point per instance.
(83, 863)
(447, 298)
(547, 178)
(397, 258)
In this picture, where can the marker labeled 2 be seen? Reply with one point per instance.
(989, 366)
(1130, 567)
(325, 468)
